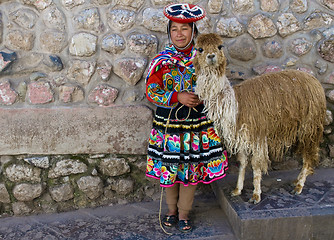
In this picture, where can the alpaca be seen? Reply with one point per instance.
(262, 116)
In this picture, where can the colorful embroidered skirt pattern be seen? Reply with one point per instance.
(188, 151)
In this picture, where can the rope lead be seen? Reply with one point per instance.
(162, 192)
(162, 189)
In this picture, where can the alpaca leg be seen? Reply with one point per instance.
(242, 159)
(257, 177)
(259, 162)
(299, 183)
(310, 159)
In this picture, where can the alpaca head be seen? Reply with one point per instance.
(210, 56)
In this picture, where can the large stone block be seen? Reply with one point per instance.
(75, 130)
(27, 192)
(21, 173)
(20, 208)
(67, 167)
(91, 186)
(83, 45)
(280, 214)
(114, 166)
(260, 26)
(88, 19)
(4, 196)
(81, 71)
(62, 193)
(130, 69)
(20, 40)
(8, 96)
(121, 186)
(103, 95)
(25, 18)
(121, 19)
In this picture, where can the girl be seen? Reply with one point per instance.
(184, 148)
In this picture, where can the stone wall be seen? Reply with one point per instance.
(73, 114)
(32, 184)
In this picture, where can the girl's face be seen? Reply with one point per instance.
(180, 34)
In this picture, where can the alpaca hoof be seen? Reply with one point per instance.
(298, 189)
(255, 199)
(294, 183)
(235, 192)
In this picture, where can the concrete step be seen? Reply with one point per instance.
(136, 221)
(281, 215)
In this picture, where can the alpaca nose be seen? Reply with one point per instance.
(211, 59)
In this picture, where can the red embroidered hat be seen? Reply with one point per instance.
(184, 12)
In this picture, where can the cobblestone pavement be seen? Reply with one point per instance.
(131, 221)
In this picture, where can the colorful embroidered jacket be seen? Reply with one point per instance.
(170, 72)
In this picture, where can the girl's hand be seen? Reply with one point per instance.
(188, 99)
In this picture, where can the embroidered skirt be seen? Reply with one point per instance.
(187, 150)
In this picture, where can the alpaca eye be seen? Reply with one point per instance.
(220, 47)
(200, 50)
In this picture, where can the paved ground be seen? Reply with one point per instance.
(281, 215)
(132, 221)
(312, 212)
(317, 197)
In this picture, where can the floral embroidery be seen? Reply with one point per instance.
(186, 172)
(195, 142)
(215, 168)
(173, 173)
(193, 175)
(174, 143)
(205, 141)
(159, 96)
(172, 178)
(164, 174)
(201, 170)
(169, 83)
(186, 142)
(149, 165)
(157, 168)
(182, 172)
(160, 139)
(166, 136)
(213, 136)
(156, 137)
(152, 139)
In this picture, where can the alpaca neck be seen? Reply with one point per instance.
(220, 104)
(211, 84)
